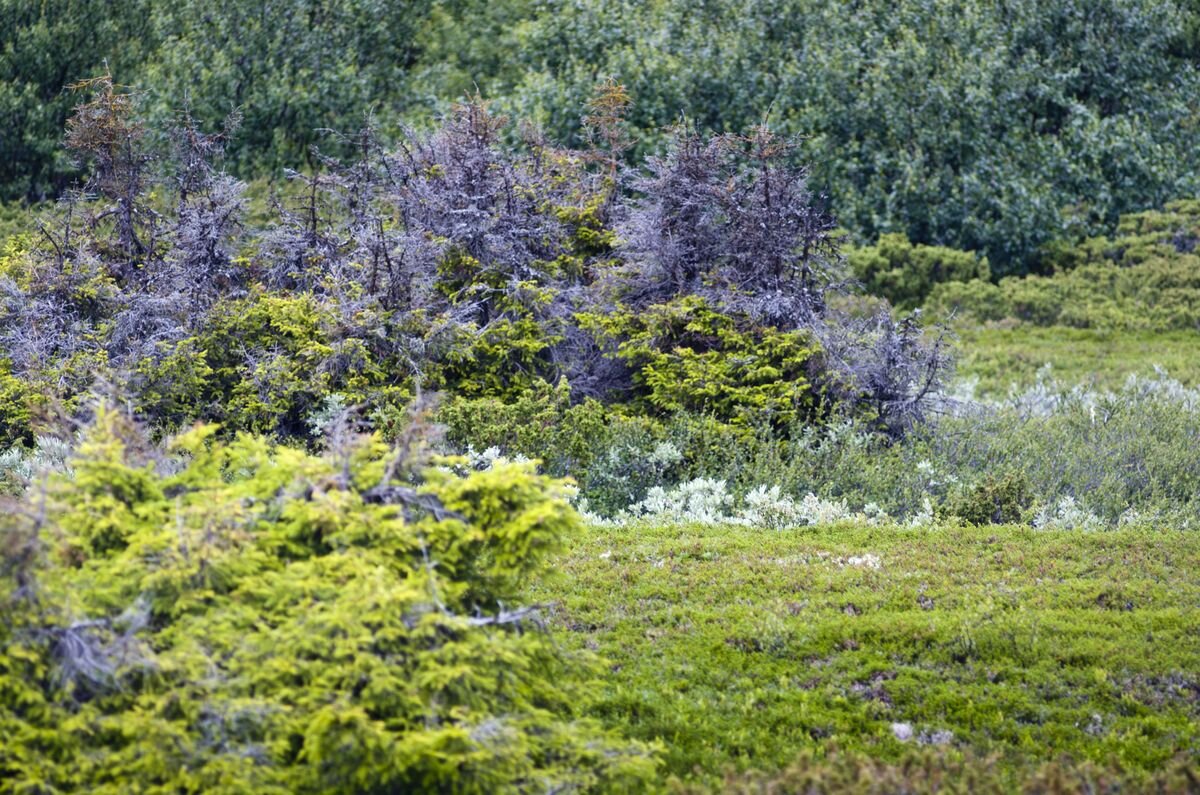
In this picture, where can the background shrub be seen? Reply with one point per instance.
(905, 274)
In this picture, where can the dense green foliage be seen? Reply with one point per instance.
(905, 273)
(292, 69)
(747, 648)
(989, 126)
(264, 363)
(1146, 276)
(247, 617)
(688, 357)
(46, 46)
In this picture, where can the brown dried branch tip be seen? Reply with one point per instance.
(102, 123)
(474, 119)
(105, 136)
(605, 123)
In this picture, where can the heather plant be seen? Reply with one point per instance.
(1067, 515)
(635, 456)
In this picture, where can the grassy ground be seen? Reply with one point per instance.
(742, 649)
(1000, 357)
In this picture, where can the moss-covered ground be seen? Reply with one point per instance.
(741, 649)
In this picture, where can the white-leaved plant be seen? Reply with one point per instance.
(1066, 514)
(771, 508)
(20, 467)
(490, 457)
(708, 502)
(699, 501)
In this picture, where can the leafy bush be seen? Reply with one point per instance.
(1145, 277)
(243, 614)
(1052, 455)
(633, 457)
(985, 127)
(688, 357)
(990, 128)
(541, 423)
(994, 500)
(20, 467)
(905, 274)
(1114, 454)
(708, 502)
(1159, 295)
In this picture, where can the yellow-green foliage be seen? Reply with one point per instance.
(263, 364)
(246, 617)
(904, 274)
(539, 423)
(15, 415)
(1139, 237)
(284, 379)
(505, 359)
(175, 384)
(590, 236)
(503, 354)
(13, 262)
(686, 356)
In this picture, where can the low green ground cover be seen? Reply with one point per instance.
(742, 649)
(1003, 357)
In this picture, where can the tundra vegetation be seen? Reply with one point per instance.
(362, 433)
